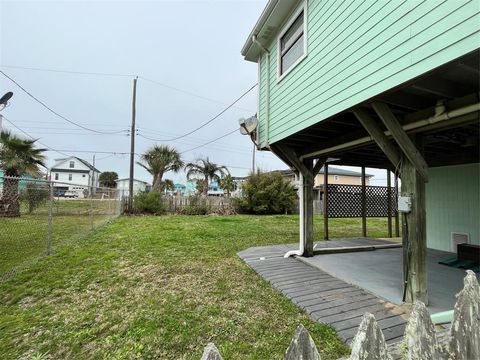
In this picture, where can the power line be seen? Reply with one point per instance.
(97, 152)
(120, 75)
(114, 132)
(207, 122)
(68, 71)
(112, 153)
(74, 133)
(61, 151)
(33, 138)
(191, 140)
(56, 122)
(211, 141)
(53, 111)
(187, 92)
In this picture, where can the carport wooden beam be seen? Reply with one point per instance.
(402, 139)
(378, 135)
(414, 172)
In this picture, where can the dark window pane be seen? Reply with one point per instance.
(293, 54)
(292, 33)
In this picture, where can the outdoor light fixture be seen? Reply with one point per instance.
(4, 100)
(248, 127)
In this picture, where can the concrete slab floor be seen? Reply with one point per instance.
(381, 273)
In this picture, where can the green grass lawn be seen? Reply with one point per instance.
(24, 239)
(160, 288)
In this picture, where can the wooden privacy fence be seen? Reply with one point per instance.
(198, 205)
(421, 341)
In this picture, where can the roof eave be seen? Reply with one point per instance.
(247, 47)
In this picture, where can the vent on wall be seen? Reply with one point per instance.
(457, 238)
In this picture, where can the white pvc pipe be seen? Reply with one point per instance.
(415, 125)
(267, 92)
(301, 193)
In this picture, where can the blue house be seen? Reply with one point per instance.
(24, 180)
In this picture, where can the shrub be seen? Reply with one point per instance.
(34, 195)
(149, 203)
(267, 193)
(197, 205)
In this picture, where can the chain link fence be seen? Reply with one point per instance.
(39, 217)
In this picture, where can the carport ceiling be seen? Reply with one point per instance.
(457, 84)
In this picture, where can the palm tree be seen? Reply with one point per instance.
(108, 179)
(228, 184)
(158, 160)
(166, 185)
(17, 157)
(206, 170)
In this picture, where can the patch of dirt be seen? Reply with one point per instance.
(27, 302)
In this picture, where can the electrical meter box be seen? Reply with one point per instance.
(405, 204)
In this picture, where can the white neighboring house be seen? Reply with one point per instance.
(73, 174)
(138, 186)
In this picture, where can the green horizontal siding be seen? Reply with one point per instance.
(358, 49)
(452, 204)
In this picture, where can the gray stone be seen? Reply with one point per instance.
(465, 330)
(211, 353)
(420, 336)
(302, 346)
(369, 343)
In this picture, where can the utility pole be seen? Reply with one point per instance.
(132, 147)
(253, 159)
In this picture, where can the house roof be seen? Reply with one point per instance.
(270, 21)
(331, 171)
(84, 162)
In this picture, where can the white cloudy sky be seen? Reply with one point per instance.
(190, 49)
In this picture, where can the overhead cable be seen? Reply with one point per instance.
(56, 113)
(190, 93)
(209, 121)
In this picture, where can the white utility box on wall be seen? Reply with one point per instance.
(405, 204)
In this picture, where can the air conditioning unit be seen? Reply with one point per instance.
(457, 238)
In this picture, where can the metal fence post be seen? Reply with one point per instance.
(91, 209)
(109, 199)
(50, 221)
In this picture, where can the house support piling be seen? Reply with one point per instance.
(397, 219)
(325, 202)
(308, 172)
(414, 172)
(389, 203)
(415, 238)
(405, 154)
(364, 204)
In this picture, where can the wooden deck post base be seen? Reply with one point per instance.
(308, 207)
(308, 171)
(415, 239)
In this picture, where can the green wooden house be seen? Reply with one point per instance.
(383, 84)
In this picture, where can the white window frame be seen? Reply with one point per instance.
(293, 17)
(71, 165)
(70, 177)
